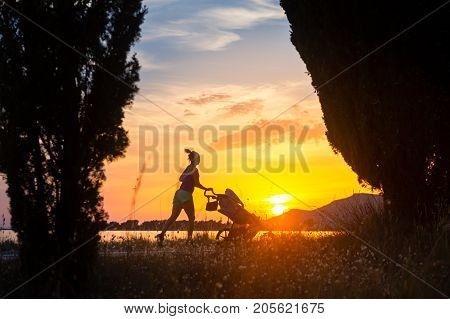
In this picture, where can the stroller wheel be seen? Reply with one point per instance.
(223, 234)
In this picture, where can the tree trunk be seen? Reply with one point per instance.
(69, 212)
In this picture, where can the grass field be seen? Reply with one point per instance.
(280, 267)
(285, 266)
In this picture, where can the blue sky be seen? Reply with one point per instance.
(216, 42)
(191, 48)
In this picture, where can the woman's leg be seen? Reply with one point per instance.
(190, 212)
(176, 210)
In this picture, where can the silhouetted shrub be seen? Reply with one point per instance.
(388, 113)
(60, 121)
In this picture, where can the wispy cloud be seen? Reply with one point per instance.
(188, 112)
(236, 18)
(246, 137)
(205, 99)
(238, 109)
(316, 131)
(229, 104)
(148, 62)
(216, 27)
(158, 3)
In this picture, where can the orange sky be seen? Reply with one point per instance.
(327, 177)
(220, 64)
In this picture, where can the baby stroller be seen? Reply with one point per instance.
(244, 226)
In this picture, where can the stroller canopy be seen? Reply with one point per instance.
(232, 207)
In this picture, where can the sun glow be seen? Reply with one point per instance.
(278, 201)
(279, 209)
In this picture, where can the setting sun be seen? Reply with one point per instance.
(278, 209)
(278, 201)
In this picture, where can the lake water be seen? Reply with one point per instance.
(120, 235)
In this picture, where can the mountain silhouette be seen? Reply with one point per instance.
(328, 217)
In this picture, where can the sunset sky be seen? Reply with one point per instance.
(222, 63)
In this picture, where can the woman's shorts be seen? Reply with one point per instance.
(181, 197)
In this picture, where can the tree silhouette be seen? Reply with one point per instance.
(60, 120)
(388, 114)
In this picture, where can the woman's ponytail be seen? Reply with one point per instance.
(192, 155)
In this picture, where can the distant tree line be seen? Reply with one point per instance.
(212, 225)
(155, 225)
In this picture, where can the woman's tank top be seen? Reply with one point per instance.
(188, 179)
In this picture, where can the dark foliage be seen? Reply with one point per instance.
(388, 115)
(60, 120)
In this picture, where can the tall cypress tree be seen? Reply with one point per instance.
(60, 121)
(387, 114)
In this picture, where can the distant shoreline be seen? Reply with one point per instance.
(209, 225)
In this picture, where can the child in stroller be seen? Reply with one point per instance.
(244, 226)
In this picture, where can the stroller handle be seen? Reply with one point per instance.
(218, 196)
(212, 191)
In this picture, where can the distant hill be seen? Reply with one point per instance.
(341, 211)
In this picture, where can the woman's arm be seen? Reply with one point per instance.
(197, 182)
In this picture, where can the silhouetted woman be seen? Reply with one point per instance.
(183, 196)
